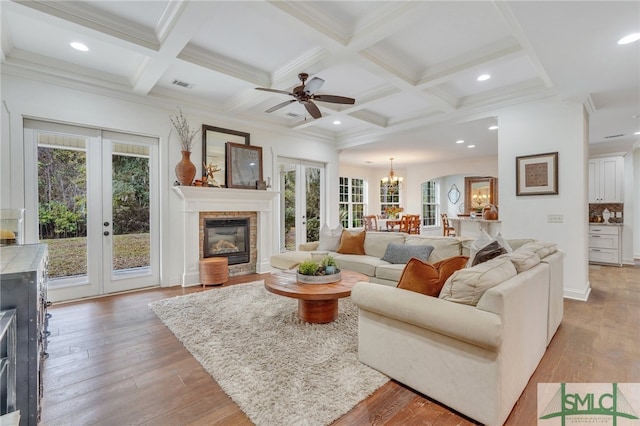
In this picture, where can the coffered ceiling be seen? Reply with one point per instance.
(412, 66)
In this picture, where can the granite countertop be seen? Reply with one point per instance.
(605, 224)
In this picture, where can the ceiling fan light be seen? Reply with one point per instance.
(629, 38)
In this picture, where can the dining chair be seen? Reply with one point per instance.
(414, 224)
(447, 229)
(370, 222)
(404, 223)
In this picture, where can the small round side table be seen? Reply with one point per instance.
(214, 271)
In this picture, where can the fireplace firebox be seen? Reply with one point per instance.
(227, 238)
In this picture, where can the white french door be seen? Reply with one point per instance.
(302, 204)
(96, 196)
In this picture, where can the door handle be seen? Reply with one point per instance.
(105, 233)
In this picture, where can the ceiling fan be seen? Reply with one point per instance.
(306, 94)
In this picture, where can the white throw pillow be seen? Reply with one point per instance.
(467, 285)
(329, 238)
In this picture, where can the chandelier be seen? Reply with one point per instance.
(392, 183)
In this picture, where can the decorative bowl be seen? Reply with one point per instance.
(318, 279)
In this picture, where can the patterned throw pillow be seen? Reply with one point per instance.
(352, 243)
(488, 252)
(401, 253)
(427, 278)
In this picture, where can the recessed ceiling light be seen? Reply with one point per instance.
(337, 122)
(629, 38)
(637, 133)
(484, 77)
(460, 141)
(471, 146)
(79, 46)
(493, 128)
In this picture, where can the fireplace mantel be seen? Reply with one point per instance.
(202, 199)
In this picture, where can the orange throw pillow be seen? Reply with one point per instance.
(427, 278)
(352, 243)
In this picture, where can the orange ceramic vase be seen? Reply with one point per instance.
(185, 169)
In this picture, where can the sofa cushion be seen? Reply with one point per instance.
(468, 285)
(329, 238)
(443, 247)
(522, 260)
(352, 242)
(488, 252)
(375, 243)
(390, 272)
(541, 248)
(359, 263)
(426, 278)
(401, 253)
(289, 259)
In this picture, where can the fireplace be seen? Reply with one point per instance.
(198, 204)
(227, 238)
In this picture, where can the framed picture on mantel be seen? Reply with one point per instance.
(244, 165)
(537, 174)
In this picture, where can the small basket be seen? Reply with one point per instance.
(318, 279)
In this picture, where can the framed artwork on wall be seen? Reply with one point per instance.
(537, 174)
(244, 165)
(214, 140)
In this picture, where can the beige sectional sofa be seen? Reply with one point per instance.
(475, 358)
(375, 246)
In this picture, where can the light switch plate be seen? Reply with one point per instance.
(554, 218)
(618, 214)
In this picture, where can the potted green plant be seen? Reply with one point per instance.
(312, 272)
(330, 266)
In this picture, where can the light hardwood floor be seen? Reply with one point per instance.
(112, 362)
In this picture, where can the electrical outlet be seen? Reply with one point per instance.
(554, 218)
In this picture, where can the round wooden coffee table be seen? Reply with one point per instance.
(317, 303)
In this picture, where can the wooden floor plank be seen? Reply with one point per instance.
(112, 361)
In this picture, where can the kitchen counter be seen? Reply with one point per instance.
(605, 224)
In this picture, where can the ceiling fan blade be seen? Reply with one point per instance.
(312, 109)
(334, 99)
(313, 85)
(284, 92)
(283, 104)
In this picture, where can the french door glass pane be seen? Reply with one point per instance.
(130, 208)
(313, 203)
(62, 203)
(290, 209)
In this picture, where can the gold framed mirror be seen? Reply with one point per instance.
(478, 192)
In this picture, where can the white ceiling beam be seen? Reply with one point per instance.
(183, 25)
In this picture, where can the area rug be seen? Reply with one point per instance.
(278, 369)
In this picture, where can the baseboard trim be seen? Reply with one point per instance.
(582, 296)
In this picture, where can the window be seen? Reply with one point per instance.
(430, 206)
(388, 198)
(351, 202)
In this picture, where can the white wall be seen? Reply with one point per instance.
(635, 221)
(139, 115)
(539, 127)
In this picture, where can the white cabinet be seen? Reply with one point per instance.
(605, 244)
(605, 179)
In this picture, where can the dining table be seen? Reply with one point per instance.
(389, 225)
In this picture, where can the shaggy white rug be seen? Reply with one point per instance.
(278, 369)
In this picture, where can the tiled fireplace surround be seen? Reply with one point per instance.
(259, 206)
